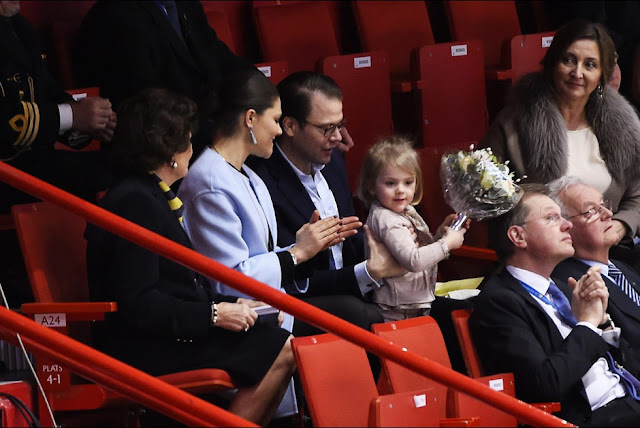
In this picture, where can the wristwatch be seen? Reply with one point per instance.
(606, 324)
(294, 259)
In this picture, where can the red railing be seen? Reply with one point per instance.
(122, 378)
(206, 266)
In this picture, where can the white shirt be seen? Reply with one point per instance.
(585, 160)
(600, 384)
(322, 197)
(66, 117)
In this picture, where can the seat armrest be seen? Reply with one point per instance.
(475, 253)
(75, 311)
(496, 73)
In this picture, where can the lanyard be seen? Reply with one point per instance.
(546, 300)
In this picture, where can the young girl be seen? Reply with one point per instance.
(390, 185)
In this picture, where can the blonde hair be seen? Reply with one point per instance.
(393, 151)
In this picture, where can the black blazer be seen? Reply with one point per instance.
(162, 309)
(294, 207)
(624, 312)
(512, 333)
(126, 46)
(22, 57)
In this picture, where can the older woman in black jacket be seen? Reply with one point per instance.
(168, 320)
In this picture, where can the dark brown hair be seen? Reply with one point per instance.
(580, 29)
(152, 127)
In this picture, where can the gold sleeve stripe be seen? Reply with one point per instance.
(28, 137)
(22, 129)
(28, 124)
(36, 121)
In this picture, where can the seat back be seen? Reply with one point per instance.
(364, 81)
(527, 51)
(396, 27)
(298, 32)
(461, 324)
(408, 409)
(453, 102)
(53, 248)
(336, 378)
(219, 21)
(464, 405)
(493, 22)
(422, 336)
(276, 71)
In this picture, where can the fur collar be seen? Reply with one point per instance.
(542, 130)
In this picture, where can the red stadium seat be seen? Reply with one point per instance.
(450, 83)
(339, 387)
(422, 335)
(299, 32)
(396, 27)
(53, 248)
(366, 91)
(219, 21)
(276, 71)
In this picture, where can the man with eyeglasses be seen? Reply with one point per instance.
(307, 172)
(523, 322)
(593, 235)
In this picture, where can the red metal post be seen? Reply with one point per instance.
(122, 378)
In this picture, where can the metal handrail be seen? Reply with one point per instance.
(305, 312)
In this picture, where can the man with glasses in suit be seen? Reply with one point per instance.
(523, 322)
(307, 172)
(593, 235)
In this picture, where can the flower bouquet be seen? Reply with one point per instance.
(477, 186)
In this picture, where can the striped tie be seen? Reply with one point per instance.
(622, 282)
(174, 202)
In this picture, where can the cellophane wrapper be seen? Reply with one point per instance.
(477, 185)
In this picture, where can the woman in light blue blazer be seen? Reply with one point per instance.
(229, 215)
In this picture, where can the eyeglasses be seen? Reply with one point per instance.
(552, 219)
(594, 212)
(328, 130)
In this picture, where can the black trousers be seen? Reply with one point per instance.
(621, 412)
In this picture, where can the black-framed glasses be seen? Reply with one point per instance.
(551, 219)
(594, 212)
(328, 130)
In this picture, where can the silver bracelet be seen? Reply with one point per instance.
(445, 248)
(214, 313)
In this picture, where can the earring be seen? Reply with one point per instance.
(174, 164)
(600, 91)
(253, 136)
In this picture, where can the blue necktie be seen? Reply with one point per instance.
(562, 304)
(630, 383)
(170, 11)
(622, 282)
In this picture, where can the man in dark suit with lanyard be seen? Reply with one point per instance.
(126, 46)
(523, 323)
(307, 172)
(592, 237)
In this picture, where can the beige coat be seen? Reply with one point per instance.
(417, 286)
(531, 133)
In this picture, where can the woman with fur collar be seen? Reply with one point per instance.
(566, 121)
